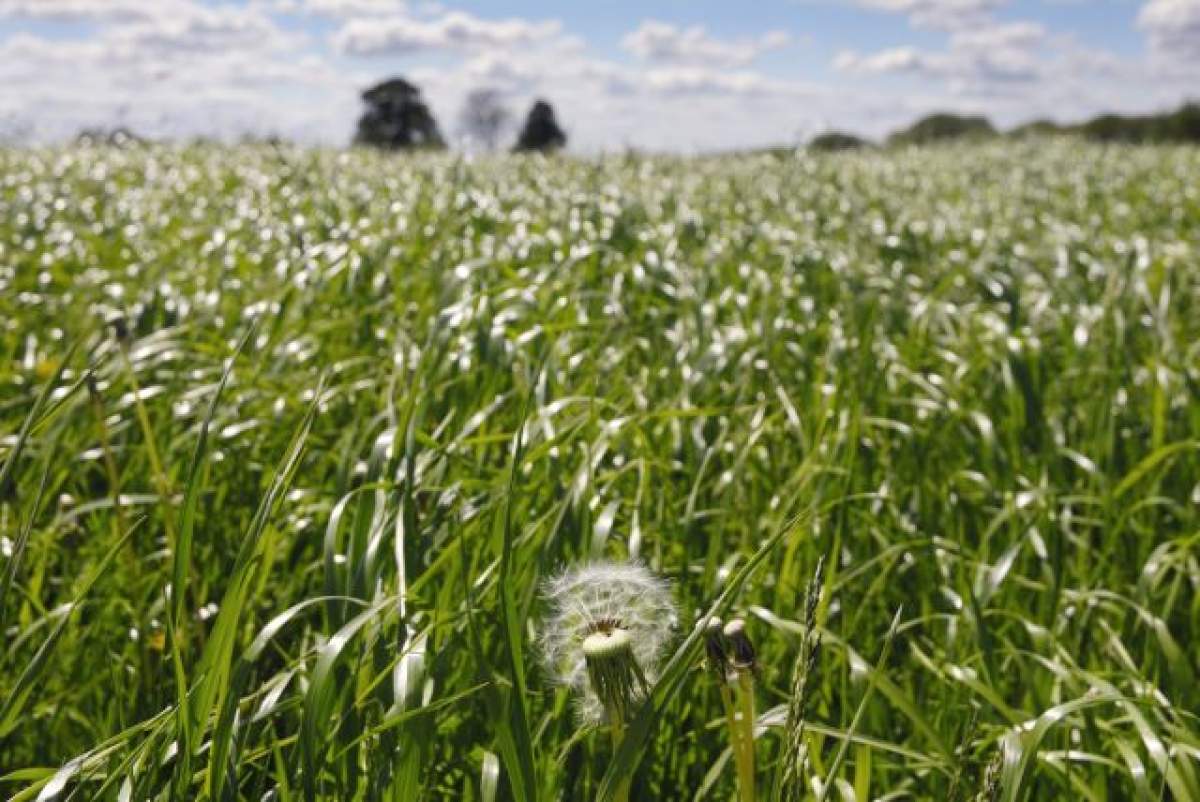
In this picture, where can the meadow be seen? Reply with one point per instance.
(292, 442)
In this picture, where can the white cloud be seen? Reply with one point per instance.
(499, 70)
(218, 71)
(335, 8)
(24, 55)
(93, 9)
(939, 14)
(207, 29)
(891, 60)
(979, 56)
(662, 41)
(453, 31)
(996, 36)
(704, 80)
(1014, 72)
(1173, 28)
(161, 24)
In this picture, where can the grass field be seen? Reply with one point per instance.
(291, 441)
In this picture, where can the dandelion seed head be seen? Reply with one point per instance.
(602, 597)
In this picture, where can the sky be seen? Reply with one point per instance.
(672, 75)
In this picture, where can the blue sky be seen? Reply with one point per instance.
(672, 75)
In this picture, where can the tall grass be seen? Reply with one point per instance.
(290, 439)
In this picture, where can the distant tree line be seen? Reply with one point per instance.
(397, 118)
(1179, 126)
(119, 137)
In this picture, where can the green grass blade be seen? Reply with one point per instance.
(17, 698)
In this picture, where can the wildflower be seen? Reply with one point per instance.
(608, 626)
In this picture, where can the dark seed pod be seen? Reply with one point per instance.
(120, 328)
(739, 641)
(717, 657)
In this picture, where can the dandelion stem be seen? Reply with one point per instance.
(737, 743)
(742, 662)
(619, 682)
(618, 734)
(745, 728)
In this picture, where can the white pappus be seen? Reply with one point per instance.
(605, 597)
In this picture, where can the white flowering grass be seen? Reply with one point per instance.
(977, 367)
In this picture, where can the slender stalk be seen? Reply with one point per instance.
(745, 728)
(743, 664)
(163, 484)
(735, 735)
(743, 765)
(619, 682)
(110, 465)
(618, 734)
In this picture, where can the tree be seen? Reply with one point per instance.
(1182, 125)
(943, 128)
(1037, 128)
(1179, 126)
(397, 117)
(484, 117)
(541, 131)
(833, 141)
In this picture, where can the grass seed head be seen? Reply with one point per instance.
(794, 761)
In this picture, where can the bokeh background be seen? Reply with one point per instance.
(678, 76)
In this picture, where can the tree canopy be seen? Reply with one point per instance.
(541, 131)
(397, 118)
